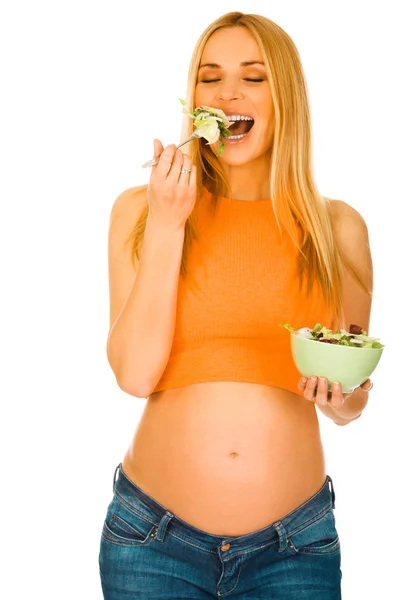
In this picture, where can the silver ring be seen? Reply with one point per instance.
(186, 171)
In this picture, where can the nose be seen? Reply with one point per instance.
(227, 97)
(230, 91)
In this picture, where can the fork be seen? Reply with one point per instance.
(154, 161)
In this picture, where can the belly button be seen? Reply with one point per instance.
(234, 454)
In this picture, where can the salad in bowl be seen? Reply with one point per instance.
(349, 357)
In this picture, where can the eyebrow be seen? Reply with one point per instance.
(246, 63)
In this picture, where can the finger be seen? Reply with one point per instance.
(174, 172)
(164, 164)
(336, 398)
(309, 391)
(322, 391)
(367, 385)
(302, 383)
(192, 178)
(183, 180)
(158, 148)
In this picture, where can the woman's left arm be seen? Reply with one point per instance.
(352, 237)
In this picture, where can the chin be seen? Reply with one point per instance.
(234, 156)
(236, 160)
(243, 151)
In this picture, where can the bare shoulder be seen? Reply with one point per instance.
(350, 229)
(128, 205)
(346, 219)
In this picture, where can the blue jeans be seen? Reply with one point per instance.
(147, 552)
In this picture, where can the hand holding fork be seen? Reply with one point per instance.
(154, 161)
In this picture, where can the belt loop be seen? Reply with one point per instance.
(282, 536)
(162, 527)
(332, 490)
(114, 476)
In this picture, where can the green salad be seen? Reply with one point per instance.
(355, 337)
(211, 124)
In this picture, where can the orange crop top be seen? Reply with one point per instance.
(228, 329)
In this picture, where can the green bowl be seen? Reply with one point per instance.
(346, 364)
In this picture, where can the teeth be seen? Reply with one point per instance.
(237, 137)
(239, 118)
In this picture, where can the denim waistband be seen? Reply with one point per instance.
(136, 499)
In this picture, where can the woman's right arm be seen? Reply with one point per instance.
(141, 334)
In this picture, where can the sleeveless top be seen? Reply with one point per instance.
(245, 285)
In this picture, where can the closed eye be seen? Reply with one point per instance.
(246, 79)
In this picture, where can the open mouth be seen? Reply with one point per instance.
(241, 127)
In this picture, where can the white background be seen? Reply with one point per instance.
(86, 86)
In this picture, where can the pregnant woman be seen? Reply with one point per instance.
(223, 490)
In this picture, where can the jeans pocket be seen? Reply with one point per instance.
(318, 537)
(126, 527)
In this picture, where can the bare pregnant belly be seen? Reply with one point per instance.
(228, 458)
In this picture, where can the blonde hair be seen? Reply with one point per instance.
(294, 196)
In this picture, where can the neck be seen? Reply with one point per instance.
(250, 181)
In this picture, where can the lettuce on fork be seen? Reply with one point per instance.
(356, 337)
(211, 124)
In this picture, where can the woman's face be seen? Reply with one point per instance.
(232, 77)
